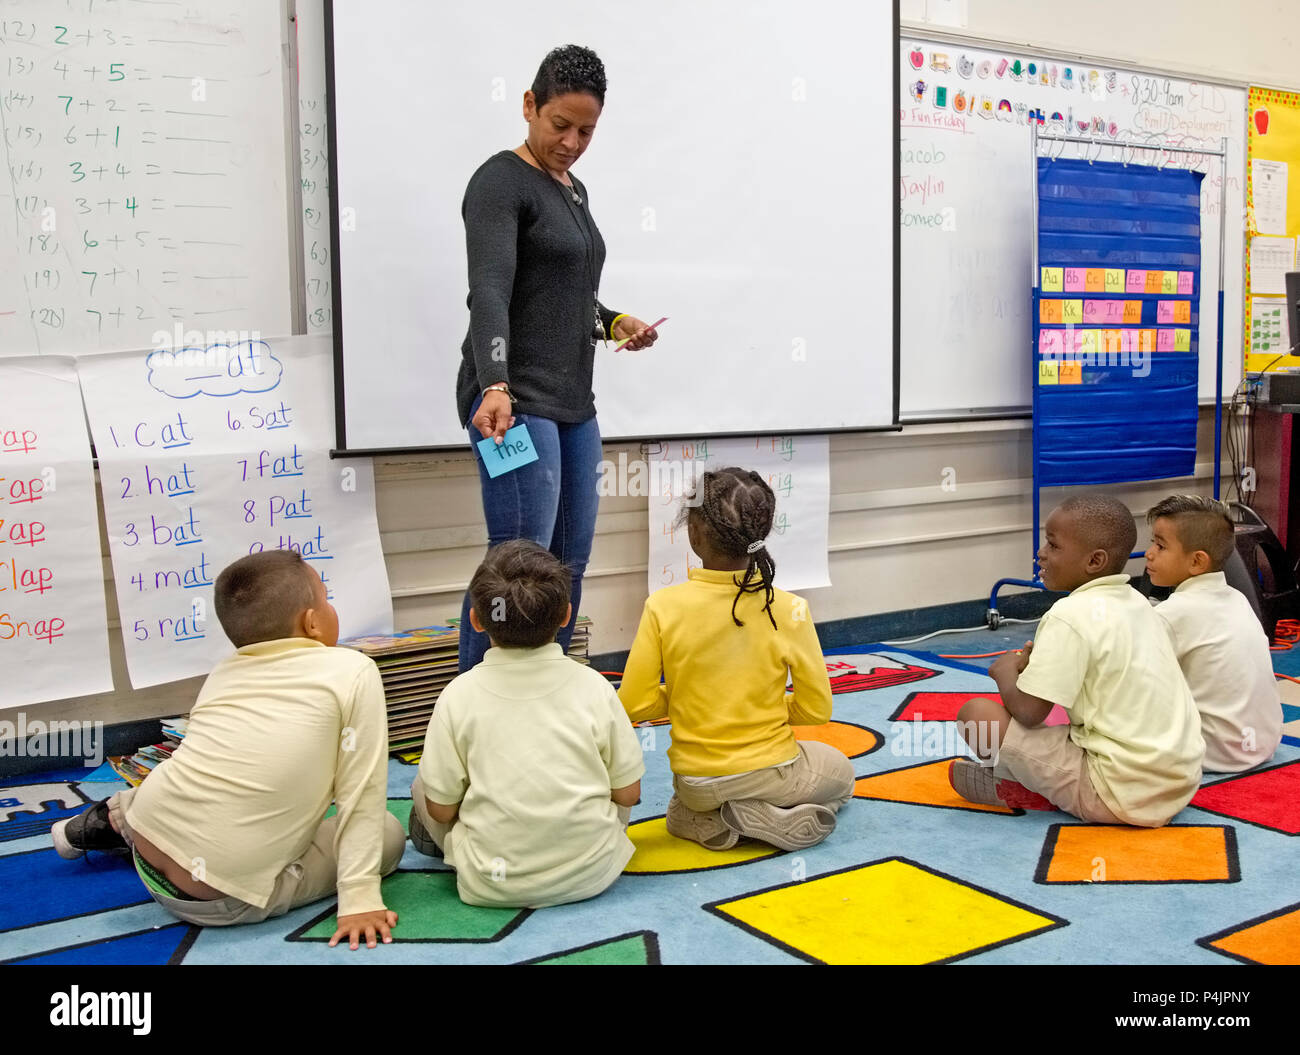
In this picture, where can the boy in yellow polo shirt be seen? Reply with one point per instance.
(725, 642)
(530, 766)
(232, 829)
(1132, 751)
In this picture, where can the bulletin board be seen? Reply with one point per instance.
(1272, 223)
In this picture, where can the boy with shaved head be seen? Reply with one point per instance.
(1133, 749)
(1219, 642)
(232, 828)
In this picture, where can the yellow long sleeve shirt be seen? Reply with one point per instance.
(279, 730)
(724, 685)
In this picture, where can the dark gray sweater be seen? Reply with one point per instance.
(534, 263)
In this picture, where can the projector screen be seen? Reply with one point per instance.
(742, 174)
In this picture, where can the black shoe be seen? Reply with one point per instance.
(420, 837)
(88, 830)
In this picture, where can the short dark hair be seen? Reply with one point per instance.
(571, 68)
(259, 597)
(520, 593)
(736, 507)
(1105, 523)
(1200, 523)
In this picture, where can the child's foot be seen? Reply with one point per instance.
(420, 837)
(88, 830)
(707, 829)
(976, 783)
(793, 828)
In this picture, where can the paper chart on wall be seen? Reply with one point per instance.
(204, 462)
(1270, 334)
(797, 468)
(1268, 188)
(1270, 260)
(53, 624)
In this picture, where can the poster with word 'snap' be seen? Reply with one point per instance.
(53, 625)
(213, 453)
(796, 467)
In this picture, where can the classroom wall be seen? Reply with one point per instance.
(898, 539)
(1255, 41)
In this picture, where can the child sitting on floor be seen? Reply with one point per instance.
(1216, 636)
(725, 642)
(1132, 751)
(530, 766)
(232, 828)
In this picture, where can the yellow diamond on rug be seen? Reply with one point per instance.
(658, 852)
(892, 911)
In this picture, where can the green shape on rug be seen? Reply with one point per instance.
(429, 909)
(399, 808)
(631, 951)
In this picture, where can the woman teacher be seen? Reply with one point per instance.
(535, 258)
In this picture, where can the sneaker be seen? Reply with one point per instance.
(420, 837)
(792, 828)
(88, 830)
(976, 783)
(707, 829)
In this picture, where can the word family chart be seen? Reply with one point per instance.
(53, 630)
(796, 468)
(144, 152)
(203, 459)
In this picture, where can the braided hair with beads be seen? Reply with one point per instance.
(737, 507)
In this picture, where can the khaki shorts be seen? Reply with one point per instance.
(1044, 759)
(310, 878)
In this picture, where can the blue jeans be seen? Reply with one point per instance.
(551, 501)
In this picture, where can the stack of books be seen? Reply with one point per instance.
(134, 768)
(416, 666)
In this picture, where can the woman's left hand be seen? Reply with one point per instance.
(635, 332)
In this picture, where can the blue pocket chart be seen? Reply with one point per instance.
(514, 451)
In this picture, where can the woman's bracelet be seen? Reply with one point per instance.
(501, 387)
(614, 322)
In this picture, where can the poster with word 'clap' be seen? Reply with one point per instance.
(53, 624)
(797, 468)
(212, 453)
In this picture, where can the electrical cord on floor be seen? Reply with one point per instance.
(954, 630)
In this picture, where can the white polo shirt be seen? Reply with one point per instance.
(531, 744)
(1103, 654)
(1224, 655)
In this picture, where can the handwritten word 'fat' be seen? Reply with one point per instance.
(271, 465)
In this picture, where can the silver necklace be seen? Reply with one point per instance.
(573, 193)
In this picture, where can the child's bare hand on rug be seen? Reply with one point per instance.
(369, 923)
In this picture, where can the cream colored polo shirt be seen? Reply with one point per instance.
(1225, 658)
(531, 744)
(1103, 654)
(279, 731)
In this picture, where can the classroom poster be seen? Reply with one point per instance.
(797, 468)
(212, 454)
(1272, 222)
(53, 623)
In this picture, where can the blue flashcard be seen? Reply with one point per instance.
(514, 450)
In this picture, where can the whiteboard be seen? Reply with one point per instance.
(731, 196)
(967, 219)
(145, 145)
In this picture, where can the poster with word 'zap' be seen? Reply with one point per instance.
(796, 468)
(211, 453)
(53, 624)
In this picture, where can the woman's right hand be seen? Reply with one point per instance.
(493, 416)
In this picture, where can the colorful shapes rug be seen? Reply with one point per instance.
(912, 873)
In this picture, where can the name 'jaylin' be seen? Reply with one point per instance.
(102, 1009)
